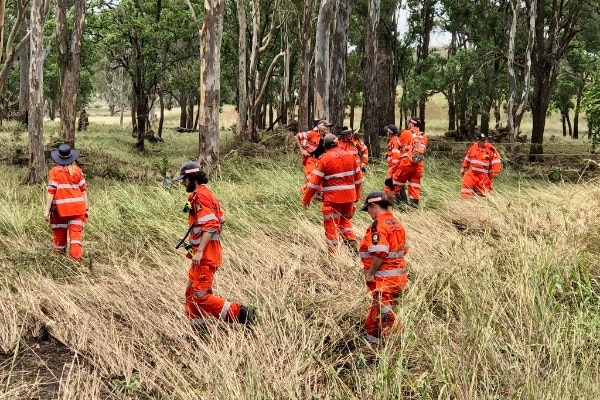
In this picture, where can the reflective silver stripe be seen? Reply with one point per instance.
(329, 216)
(346, 230)
(396, 151)
(71, 200)
(467, 190)
(358, 182)
(206, 218)
(200, 294)
(56, 226)
(386, 309)
(379, 247)
(340, 175)
(215, 236)
(75, 241)
(399, 183)
(372, 339)
(467, 159)
(395, 254)
(67, 186)
(364, 254)
(224, 310)
(60, 247)
(52, 183)
(196, 229)
(485, 171)
(339, 187)
(82, 182)
(414, 184)
(395, 161)
(313, 186)
(76, 222)
(496, 161)
(318, 173)
(390, 272)
(195, 242)
(481, 163)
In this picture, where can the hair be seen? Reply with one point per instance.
(71, 168)
(387, 202)
(198, 177)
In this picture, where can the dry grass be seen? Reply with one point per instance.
(503, 299)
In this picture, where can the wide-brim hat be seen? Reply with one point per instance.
(346, 130)
(65, 155)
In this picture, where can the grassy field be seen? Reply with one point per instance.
(502, 303)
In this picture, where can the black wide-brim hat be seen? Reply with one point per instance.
(65, 155)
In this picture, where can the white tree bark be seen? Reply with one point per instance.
(242, 120)
(322, 70)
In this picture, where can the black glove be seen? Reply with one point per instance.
(389, 183)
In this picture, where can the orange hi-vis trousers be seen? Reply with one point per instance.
(409, 175)
(200, 302)
(475, 183)
(337, 220)
(380, 319)
(68, 229)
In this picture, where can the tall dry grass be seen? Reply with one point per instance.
(503, 300)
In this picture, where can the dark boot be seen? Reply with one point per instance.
(401, 197)
(247, 315)
(352, 245)
(414, 203)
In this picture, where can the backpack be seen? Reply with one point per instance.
(418, 147)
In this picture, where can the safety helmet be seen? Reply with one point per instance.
(187, 168)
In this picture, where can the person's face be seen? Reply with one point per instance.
(481, 143)
(323, 129)
(372, 210)
(190, 185)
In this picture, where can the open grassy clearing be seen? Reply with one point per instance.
(503, 300)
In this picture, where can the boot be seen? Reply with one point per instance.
(247, 315)
(401, 197)
(414, 203)
(352, 245)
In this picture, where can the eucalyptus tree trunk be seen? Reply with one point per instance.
(303, 90)
(211, 36)
(9, 51)
(242, 117)
(24, 84)
(322, 71)
(515, 116)
(69, 62)
(427, 15)
(285, 109)
(339, 57)
(369, 116)
(37, 164)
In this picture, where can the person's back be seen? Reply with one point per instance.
(340, 171)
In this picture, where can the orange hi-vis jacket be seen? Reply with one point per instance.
(394, 152)
(339, 175)
(205, 215)
(310, 142)
(406, 138)
(386, 239)
(484, 160)
(68, 190)
(357, 148)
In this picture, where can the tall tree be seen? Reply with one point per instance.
(370, 122)
(242, 97)
(69, 62)
(557, 22)
(10, 47)
(339, 57)
(210, 82)
(37, 163)
(322, 70)
(305, 62)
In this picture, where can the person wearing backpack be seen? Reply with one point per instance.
(410, 168)
(480, 166)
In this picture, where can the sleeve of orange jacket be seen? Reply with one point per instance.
(467, 161)
(206, 216)
(496, 164)
(358, 179)
(315, 181)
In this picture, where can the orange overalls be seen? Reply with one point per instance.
(311, 142)
(205, 215)
(69, 208)
(341, 178)
(408, 173)
(394, 152)
(385, 239)
(483, 164)
(357, 148)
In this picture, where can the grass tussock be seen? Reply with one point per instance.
(503, 299)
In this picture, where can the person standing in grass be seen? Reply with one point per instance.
(66, 202)
(354, 146)
(480, 166)
(394, 152)
(382, 252)
(340, 177)
(311, 147)
(409, 170)
(206, 219)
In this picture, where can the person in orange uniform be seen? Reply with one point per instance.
(340, 177)
(393, 159)
(409, 170)
(382, 252)
(66, 202)
(311, 145)
(205, 219)
(352, 144)
(480, 166)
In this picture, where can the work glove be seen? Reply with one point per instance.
(389, 183)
